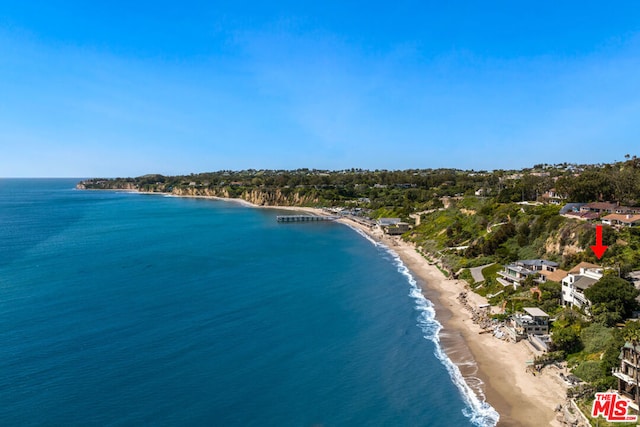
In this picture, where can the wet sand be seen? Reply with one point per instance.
(494, 369)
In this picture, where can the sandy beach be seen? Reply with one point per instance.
(499, 373)
(496, 370)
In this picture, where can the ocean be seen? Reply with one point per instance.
(132, 309)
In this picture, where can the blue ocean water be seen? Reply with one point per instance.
(130, 309)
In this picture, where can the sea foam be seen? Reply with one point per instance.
(479, 412)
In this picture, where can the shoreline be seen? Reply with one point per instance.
(493, 369)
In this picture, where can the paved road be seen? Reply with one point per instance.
(476, 272)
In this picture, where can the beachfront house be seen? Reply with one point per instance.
(397, 229)
(540, 269)
(384, 222)
(534, 321)
(581, 277)
(393, 226)
(533, 325)
(628, 373)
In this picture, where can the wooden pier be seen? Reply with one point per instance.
(305, 218)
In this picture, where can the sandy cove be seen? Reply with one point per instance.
(520, 398)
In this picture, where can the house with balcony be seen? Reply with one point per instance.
(574, 285)
(385, 222)
(533, 325)
(515, 274)
(534, 321)
(628, 373)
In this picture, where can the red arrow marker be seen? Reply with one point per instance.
(598, 249)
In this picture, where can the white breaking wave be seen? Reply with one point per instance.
(479, 412)
(365, 235)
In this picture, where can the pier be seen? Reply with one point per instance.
(305, 218)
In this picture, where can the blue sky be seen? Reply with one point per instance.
(129, 88)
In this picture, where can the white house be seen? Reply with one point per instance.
(576, 282)
(626, 220)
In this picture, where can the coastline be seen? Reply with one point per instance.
(495, 370)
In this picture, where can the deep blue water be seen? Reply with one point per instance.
(129, 309)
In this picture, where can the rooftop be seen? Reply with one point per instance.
(537, 263)
(630, 219)
(555, 276)
(535, 312)
(584, 282)
(388, 221)
(583, 264)
(601, 205)
(570, 207)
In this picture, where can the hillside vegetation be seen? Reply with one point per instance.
(464, 219)
(463, 228)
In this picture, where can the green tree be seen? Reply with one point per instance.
(613, 299)
(567, 339)
(589, 370)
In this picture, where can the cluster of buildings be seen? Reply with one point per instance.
(533, 324)
(574, 282)
(609, 213)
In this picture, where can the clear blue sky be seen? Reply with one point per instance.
(127, 88)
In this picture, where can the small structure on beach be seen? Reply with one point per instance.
(397, 229)
(533, 325)
(385, 222)
(393, 226)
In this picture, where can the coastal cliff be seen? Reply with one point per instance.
(256, 196)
